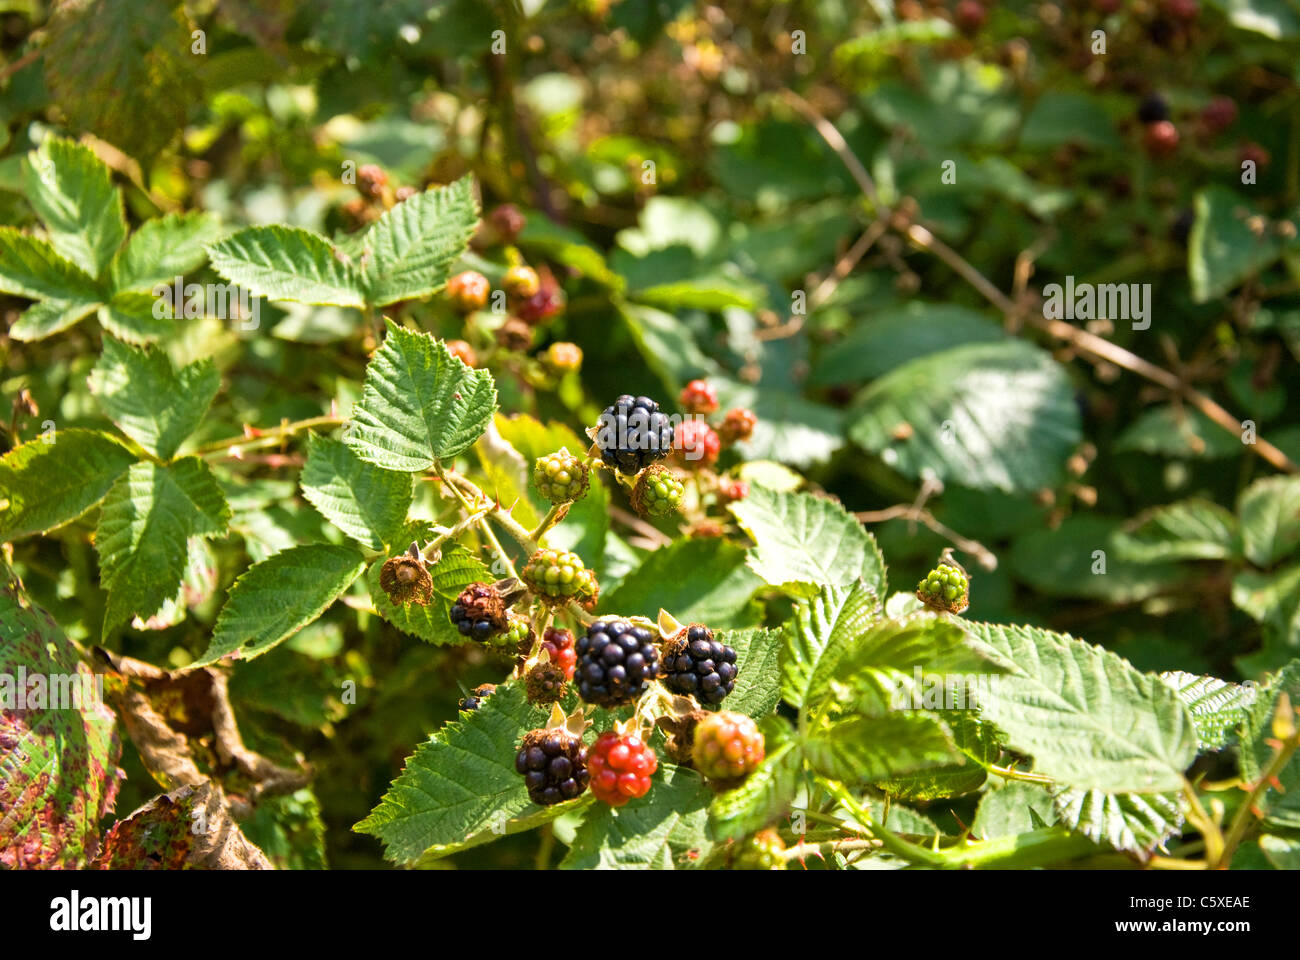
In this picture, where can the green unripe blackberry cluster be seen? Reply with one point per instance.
(557, 576)
(657, 492)
(560, 477)
(945, 588)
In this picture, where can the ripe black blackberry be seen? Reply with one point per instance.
(554, 765)
(697, 665)
(475, 699)
(615, 662)
(1153, 109)
(632, 434)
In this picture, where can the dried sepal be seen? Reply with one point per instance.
(669, 626)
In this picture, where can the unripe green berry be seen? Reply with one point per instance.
(557, 577)
(946, 588)
(657, 492)
(560, 477)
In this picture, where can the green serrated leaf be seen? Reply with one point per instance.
(288, 263)
(44, 485)
(828, 621)
(803, 541)
(47, 317)
(1014, 807)
(862, 749)
(1270, 519)
(367, 503)
(32, 268)
(717, 591)
(1281, 807)
(420, 404)
(1187, 530)
(135, 317)
(667, 829)
(1217, 707)
(1086, 715)
(1136, 822)
(142, 539)
(163, 249)
(993, 416)
(414, 245)
(1222, 249)
(132, 85)
(72, 192)
(58, 768)
(460, 785)
(155, 404)
(274, 599)
(758, 670)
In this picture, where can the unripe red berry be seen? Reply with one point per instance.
(559, 644)
(506, 222)
(737, 425)
(1185, 10)
(463, 352)
(699, 396)
(468, 291)
(727, 746)
(1219, 114)
(695, 443)
(731, 490)
(969, 15)
(542, 304)
(620, 767)
(1161, 139)
(371, 181)
(1254, 153)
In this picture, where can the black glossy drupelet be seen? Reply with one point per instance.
(615, 662)
(700, 666)
(632, 434)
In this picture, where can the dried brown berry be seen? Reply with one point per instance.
(514, 334)
(405, 579)
(545, 683)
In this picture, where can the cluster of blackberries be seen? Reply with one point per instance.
(615, 662)
(554, 765)
(697, 665)
(632, 434)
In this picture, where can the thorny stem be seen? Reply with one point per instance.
(552, 517)
(1008, 773)
(452, 532)
(483, 525)
(1204, 823)
(801, 851)
(1059, 329)
(1249, 808)
(272, 437)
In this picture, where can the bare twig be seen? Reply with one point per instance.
(1090, 343)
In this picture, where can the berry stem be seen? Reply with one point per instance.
(483, 525)
(548, 521)
(1249, 808)
(453, 532)
(579, 614)
(268, 438)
